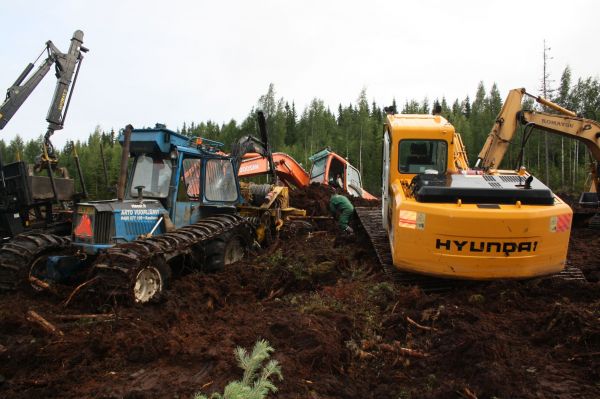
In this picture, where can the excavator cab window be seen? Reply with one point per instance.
(423, 156)
(336, 173)
(317, 173)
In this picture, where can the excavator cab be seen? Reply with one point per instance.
(445, 220)
(331, 169)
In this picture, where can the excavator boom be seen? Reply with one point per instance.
(287, 168)
(66, 66)
(565, 123)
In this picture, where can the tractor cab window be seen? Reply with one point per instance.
(190, 179)
(220, 181)
(152, 173)
(423, 156)
(317, 173)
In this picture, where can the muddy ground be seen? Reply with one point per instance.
(339, 326)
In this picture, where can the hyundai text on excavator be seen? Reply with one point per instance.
(441, 218)
(26, 200)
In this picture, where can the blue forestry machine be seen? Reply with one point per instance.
(180, 207)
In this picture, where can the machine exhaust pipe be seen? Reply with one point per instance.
(124, 163)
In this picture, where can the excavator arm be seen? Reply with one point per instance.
(565, 123)
(506, 124)
(288, 170)
(66, 68)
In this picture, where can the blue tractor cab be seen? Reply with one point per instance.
(176, 209)
(173, 182)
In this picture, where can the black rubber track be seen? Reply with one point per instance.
(17, 255)
(116, 269)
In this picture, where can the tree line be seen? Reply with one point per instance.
(355, 132)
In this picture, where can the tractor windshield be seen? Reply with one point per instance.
(220, 181)
(152, 173)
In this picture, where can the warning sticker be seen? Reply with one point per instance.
(408, 219)
(560, 223)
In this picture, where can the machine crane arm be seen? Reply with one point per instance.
(66, 67)
(565, 123)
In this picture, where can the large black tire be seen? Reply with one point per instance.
(17, 256)
(224, 250)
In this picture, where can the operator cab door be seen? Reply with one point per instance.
(385, 183)
(336, 173)
(187, 209)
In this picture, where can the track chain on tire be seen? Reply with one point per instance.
(17, 255)
(117, 268)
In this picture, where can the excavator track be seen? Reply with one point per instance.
(17, 255)
(371, 220)
(118, 268)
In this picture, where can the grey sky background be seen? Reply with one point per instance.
(175, 61)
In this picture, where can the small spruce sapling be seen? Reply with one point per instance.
(256, 382)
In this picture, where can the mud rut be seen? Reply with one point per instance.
(340, 328)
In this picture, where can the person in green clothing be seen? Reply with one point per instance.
(342, 209)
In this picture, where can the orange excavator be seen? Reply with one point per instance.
(288, 170)
(327, 168)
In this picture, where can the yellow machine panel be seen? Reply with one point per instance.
(447, 221)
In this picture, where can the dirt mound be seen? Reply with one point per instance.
(584, 252)
(341, 328)
(313, 198)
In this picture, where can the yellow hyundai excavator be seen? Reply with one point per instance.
(441, 218)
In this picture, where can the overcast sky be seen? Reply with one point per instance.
(175, 61)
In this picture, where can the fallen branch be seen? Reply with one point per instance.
(316, 233)
(104, 316)
(34, 317)
(467, 393)
(584, 355)
(422, 327)
(41, 285)
(274, 294)
(77, 289)
(395, 347)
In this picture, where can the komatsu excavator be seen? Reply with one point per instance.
(441, 218)
(565, 123)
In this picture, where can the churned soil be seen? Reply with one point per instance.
(340, 326)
